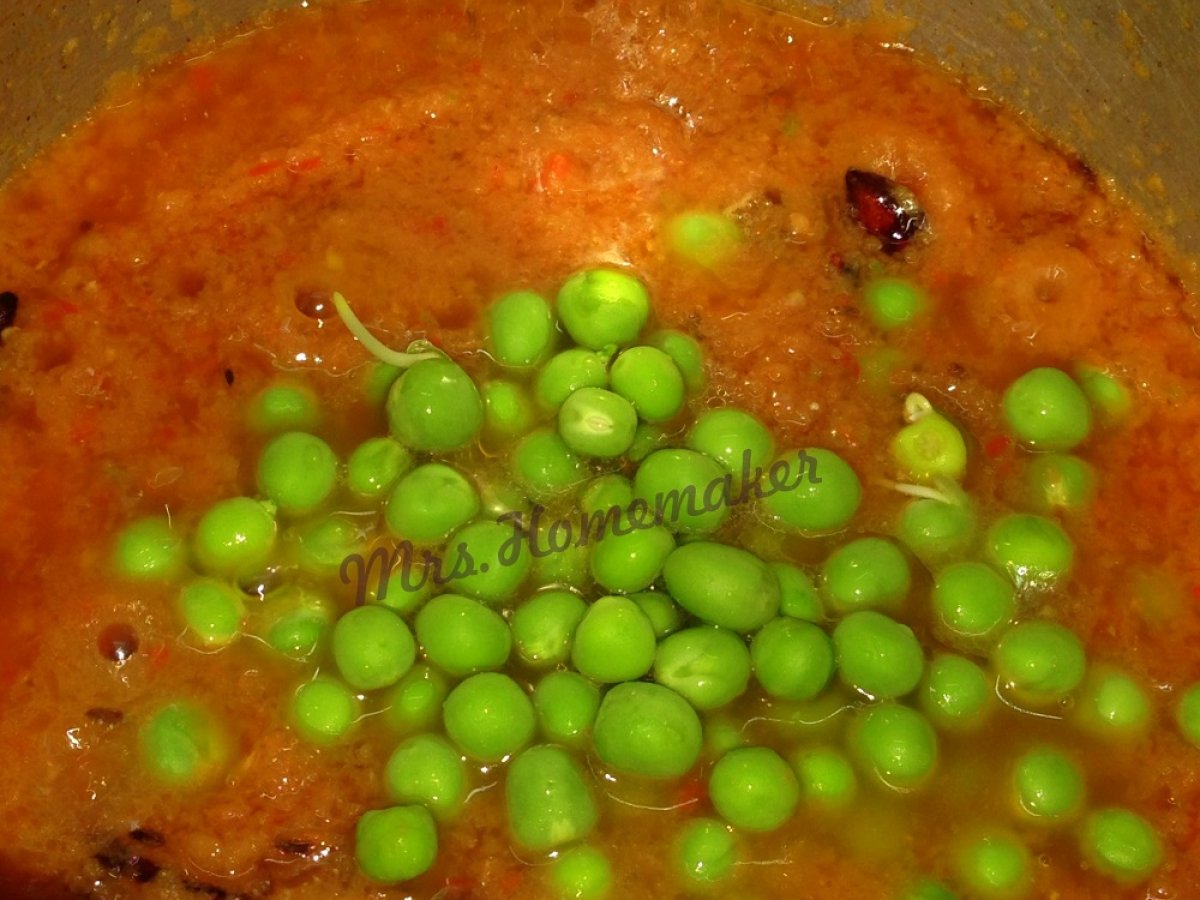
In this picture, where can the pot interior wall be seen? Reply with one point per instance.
(1116, 81)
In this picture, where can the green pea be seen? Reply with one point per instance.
(489, 717)
(1187, 715)
(823, 715)
(414, 704)
(296, 622)
(323, 710)
(497, 557)
(284, 407)
(404, 593)
(995, 865)
(435, 406)
(566, 704)
(1121, 844)
(878, 368)
(1040, 661)
(936, 531)
(722, 585)
(793, 659)
(395, 844)
(544, 463)
(565, 570)
(896, 744)
(650, 381)
(461, 636)
(956, 693)
(798, 597)
(605, 492)
(722, 734)
(563, 555)
(430, 502)
(1047, 785)
(212, 611)
(499, 498)
(235, 537)
(877, 655)
(706, 851)
(323, 545)
(150, 549)
(664, 614)
(543, 627)
(379, 381)
(614, 641)
(733, 438)
(376, 465)
(647, 439)
(507, 409)
(706, 239)
(581, 873)
(570, 371)
(625, 563)
(930, 448)
(425, 769)
(687, 491)
(647, 730)
(972, 606)
(297, 472)
(927, 889)
(825, 497)
(596, 422)
(521, 329)
(182, 745)
(549, 803)
(826, 778)
(600, 307)
(752, 788)
(1057, 481)
(709, 667)
(893, 302)
(1112, 704)
(864, 574)
(372, 647)
(687, 355)
(1033, 550)
(1046, 410)
(1109, 397)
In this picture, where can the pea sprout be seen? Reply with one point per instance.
(417, 351)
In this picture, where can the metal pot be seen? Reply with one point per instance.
(1118, 82)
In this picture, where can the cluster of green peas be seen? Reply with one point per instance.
(622, 646)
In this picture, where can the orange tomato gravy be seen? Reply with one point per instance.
(424, 157)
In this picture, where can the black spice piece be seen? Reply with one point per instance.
(8, 309)
(148, 836)
(884, 208)
(314, 303)
(105, 716)
(118, 642)
(122, 861)
(264, 583)
(201, 887)
(294, 847)
(229, 377)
